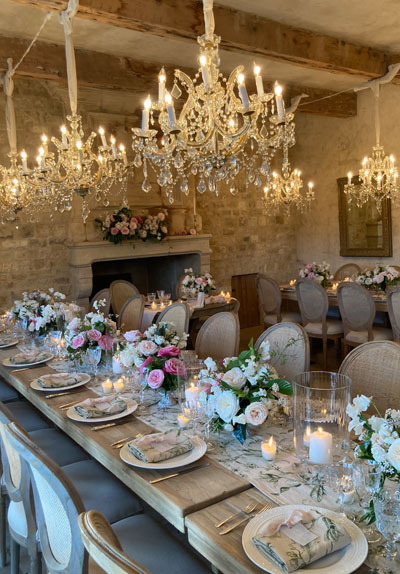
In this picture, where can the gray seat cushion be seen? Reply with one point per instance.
(101, 491)
(138, 535)
(27, 416)
(58, 446)
(7, 393)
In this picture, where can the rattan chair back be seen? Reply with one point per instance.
(357, 308)
(103, 295)
(393, 303)
(346, 270)
(178, 314)
(121, 291)
(219, 337)
(131, 314)
(269, 296)
(313, 301)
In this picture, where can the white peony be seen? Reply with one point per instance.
(235, 378)
(147, 348)
(393, 455)
(256, 413)
(226, 406)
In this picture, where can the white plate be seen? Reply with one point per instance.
(84, 379)
(345, 561)
(11, 344)
(7, 363)
(131, 408)
(199, 449)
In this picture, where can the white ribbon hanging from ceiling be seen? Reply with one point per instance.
(209, 17)
(66, 20)
(8, 86)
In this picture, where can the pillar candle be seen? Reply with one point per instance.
(268, 448)
(321, 447)
(192, 393)
(119, 386)
(183, 421)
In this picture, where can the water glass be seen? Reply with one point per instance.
(387, 512)
(207, 406)
(160, 295)
(192, 410)
(151, 297)
(368, 482)
(94, 358)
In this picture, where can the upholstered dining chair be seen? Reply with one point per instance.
(102, 295)
(374, 369)
(393, 303)
(346, 270)
(58, 505)
(313, 303)
(270, 302)
(219, 337)
(289, 348)
(357, 309)
(131, 314)
(121, 291)
(178, 314)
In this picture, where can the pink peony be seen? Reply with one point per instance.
(256, 413)
(147, 348)
(171, 350)
(94, 335)
(198, 280)
(133, 336)
(155, 379)
(114, 231)
(144, 365)
(125, 231)
(106, 343)
(78, 341)
(175, 367)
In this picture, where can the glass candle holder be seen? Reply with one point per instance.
(319, 416)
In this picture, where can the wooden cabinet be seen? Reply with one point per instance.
(244, 289)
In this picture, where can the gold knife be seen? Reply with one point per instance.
(179, 473)
(109, 425)
(55, 395)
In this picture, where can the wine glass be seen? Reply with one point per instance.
(367, 478)
(208, 411)
(94, 358)
(160, 295)
(387, 513)
(151, 297)
(192, 410)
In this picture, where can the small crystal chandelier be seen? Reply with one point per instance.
(220, 132)
(378, 173)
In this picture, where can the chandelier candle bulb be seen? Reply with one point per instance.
(183, 421)
(80, 152)
(192, 393)
(146, 114)
(259, 81)
(123, 154)
(280, 107)
(24, 158)
(205, 72)
(170, 110)
(349, 178)
(243, 92)
(321, 447)
(107, 386)
(64, 137)
(161, 86)
(114, 147)
(103, 137)
(268, 449)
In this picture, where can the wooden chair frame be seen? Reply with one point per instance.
(339, 275)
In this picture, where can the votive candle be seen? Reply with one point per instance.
(321, 447)
(119, 386)
(107, 386)
(183, 421)
(268, 448)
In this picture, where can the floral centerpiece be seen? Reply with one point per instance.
(94, 330)
(156, 353)
(380, 277)
(193, 284)
(124, 225)
(320, 272)
(244, 389)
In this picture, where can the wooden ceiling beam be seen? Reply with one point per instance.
(240, 32)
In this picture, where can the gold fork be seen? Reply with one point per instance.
(116, 444)
(249, 508)
(266, 507)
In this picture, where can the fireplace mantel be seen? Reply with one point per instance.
(82, 255)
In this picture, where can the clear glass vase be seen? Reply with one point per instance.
(319, 416)
(167, 401)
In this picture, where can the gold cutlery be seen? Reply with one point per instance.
(67, 405)
(249, 509)
(179, 473)
(55, 395)
(117, 444)
(266, 507)
(109, 425)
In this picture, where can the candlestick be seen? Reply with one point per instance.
(183, 421)
(103, 137)
(205, 72)
(280, 107)
(170, 110)
(192, 393)
(146, 114)
(321, 447)
(268, 448)
(259, 81)
(64, 136)
(119, 386)
(107, 386)
(161, 86)
(306, 437)
(243, 92)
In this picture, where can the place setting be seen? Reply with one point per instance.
(28, 357)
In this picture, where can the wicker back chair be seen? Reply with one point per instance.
(104, 547)
(374, 369)
(347, 270)
(289, 347)
(219, 337)
(270, 302)
(178, 314)
(131, 314)
(121, 291)
(313, 303)
(357, 309)
(393, 303)
(105, 295)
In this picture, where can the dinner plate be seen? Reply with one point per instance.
(84, 379)
(131, 408)
(7, 363)
(199, 449)
(11, 343)
(345, 560)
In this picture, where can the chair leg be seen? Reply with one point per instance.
(36, 563)
(15, 552)
(325, 352)
(3, 531)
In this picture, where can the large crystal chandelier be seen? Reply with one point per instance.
(378, 174)
(220, 132)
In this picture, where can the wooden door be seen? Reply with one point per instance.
(244, 289)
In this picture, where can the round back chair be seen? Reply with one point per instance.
(104, 295)
(269, 297)
(121, 291)
(289, 348)
(103, 546)
(313, 301)
(178, 314)
(357, 308)
(131, 314)
(374, 369)
(178, 288)
(346, 270)
(219, 337)
(393, 303)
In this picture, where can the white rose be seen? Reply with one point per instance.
(235, 378)
(394, 454)
(256, 413)
(226, 406)
(147, 348)
(210, 364)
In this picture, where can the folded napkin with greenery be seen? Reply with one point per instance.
(289, 555)
(160, 446)
(59, 380)
(102, 407)
(26, 358)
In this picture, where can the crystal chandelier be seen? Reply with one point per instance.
(378, 174)
(220, 132)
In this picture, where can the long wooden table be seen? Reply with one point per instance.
(291, 295)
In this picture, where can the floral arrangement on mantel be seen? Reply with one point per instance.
(41, 310)
(320, 272)
(244, 389)
(193, 284)
(125, 226)
(380, 440)
(381, 277)
(156, 352)
(94, 330)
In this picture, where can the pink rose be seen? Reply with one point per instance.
(171, 350)
(78, 341)
(256, 413)
(114, 231)
(133, 336)
(144, 365)
(139, 220)
(133, 225)
(184, 232)
(106, 343)
(155, 379)
(125, 231)
(175, 367)
(147, 348)
(309, 266)
(198, 280)
(193, 231)
(94, 335)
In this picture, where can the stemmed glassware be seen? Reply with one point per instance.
(192, 410)
(207, 406)
(367, 478)
(387, 513)
(93, 357)
(160, 295)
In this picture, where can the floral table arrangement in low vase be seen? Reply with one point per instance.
(197, 286)
(156, 353)
(124, 225)
(379, 278)
(244, 389)
(320, 272)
